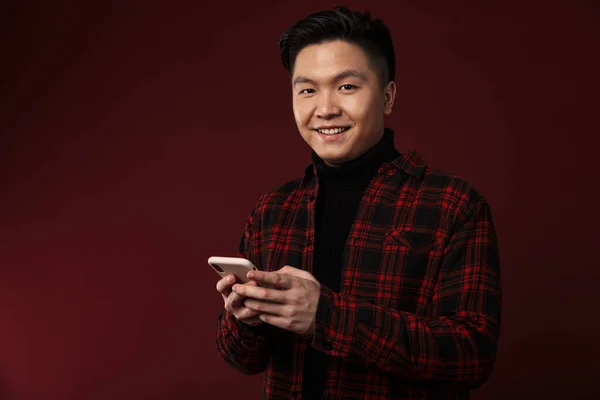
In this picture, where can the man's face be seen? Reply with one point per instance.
(339, 103)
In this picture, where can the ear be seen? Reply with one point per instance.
(389, 96)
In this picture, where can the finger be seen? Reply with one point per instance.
(269, 308)
(271, 278)
(224, 284)
(235, 300)
(246, 314)
(252, 321)
(251, 283)
(288, 270)
(263, 284)
(260, 293)
(275, 320)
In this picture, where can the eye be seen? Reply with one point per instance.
(307, 91)
(347, 87)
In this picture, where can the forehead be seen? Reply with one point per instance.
(329, 58)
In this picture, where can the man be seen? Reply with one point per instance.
(386, 270)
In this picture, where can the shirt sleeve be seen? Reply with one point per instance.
(458, 344)
(244, 347)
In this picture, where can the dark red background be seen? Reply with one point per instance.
(135, 139)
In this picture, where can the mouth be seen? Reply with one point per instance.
(332, 131)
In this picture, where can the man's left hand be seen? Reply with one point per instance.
(291, 305)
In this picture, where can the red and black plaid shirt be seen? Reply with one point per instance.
(418, 312)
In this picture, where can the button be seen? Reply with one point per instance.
(307, 241)
(295, 395)
(328, 346)
(311, 197)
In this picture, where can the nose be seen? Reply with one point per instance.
(327, 108)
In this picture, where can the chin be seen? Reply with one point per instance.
(333, 159)
(331, 153)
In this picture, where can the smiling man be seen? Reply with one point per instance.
(339, 100)
(386, 270)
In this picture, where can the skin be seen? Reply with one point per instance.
(333, 84)
(234, 302)
(291, 304)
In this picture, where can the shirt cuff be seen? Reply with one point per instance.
(245, 331)
(327, 337)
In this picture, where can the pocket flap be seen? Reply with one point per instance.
(417, 240)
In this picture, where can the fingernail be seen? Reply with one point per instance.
(230, 279)
(235, 288)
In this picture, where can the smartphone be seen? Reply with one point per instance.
(232, 265)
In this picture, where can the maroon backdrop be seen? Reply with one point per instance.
(135, 139)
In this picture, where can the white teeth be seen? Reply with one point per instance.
(332, 131)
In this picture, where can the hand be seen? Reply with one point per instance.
(291, 305)
(234, 302)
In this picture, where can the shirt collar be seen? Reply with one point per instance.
(411, 163)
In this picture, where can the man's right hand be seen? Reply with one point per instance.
(234, 302)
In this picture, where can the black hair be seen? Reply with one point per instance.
(341, 23)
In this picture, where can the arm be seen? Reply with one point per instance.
(242, 346)
(457, 345)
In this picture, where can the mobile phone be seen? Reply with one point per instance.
(237, 266)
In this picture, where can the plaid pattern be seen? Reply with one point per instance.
(418, 313)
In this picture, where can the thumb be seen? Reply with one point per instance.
(299, 273)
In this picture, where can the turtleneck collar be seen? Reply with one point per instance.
(360, 171)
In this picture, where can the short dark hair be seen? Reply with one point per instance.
(341, 23)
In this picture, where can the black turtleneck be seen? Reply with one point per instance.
(340, 190)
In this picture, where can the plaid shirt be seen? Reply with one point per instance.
(418, 313)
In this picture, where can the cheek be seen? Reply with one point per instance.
(359, 108)
(301, 113)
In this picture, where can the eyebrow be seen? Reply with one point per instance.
(342, 75)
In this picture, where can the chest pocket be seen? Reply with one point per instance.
(407, 270)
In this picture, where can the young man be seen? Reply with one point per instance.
(386, 269)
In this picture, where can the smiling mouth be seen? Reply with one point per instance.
(332, 131)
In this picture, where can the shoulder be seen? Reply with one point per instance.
(280, 194)
(452, 186)
(442, 193)
(282, 191)
(434, 183)
(453, 193)
(275, 198)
